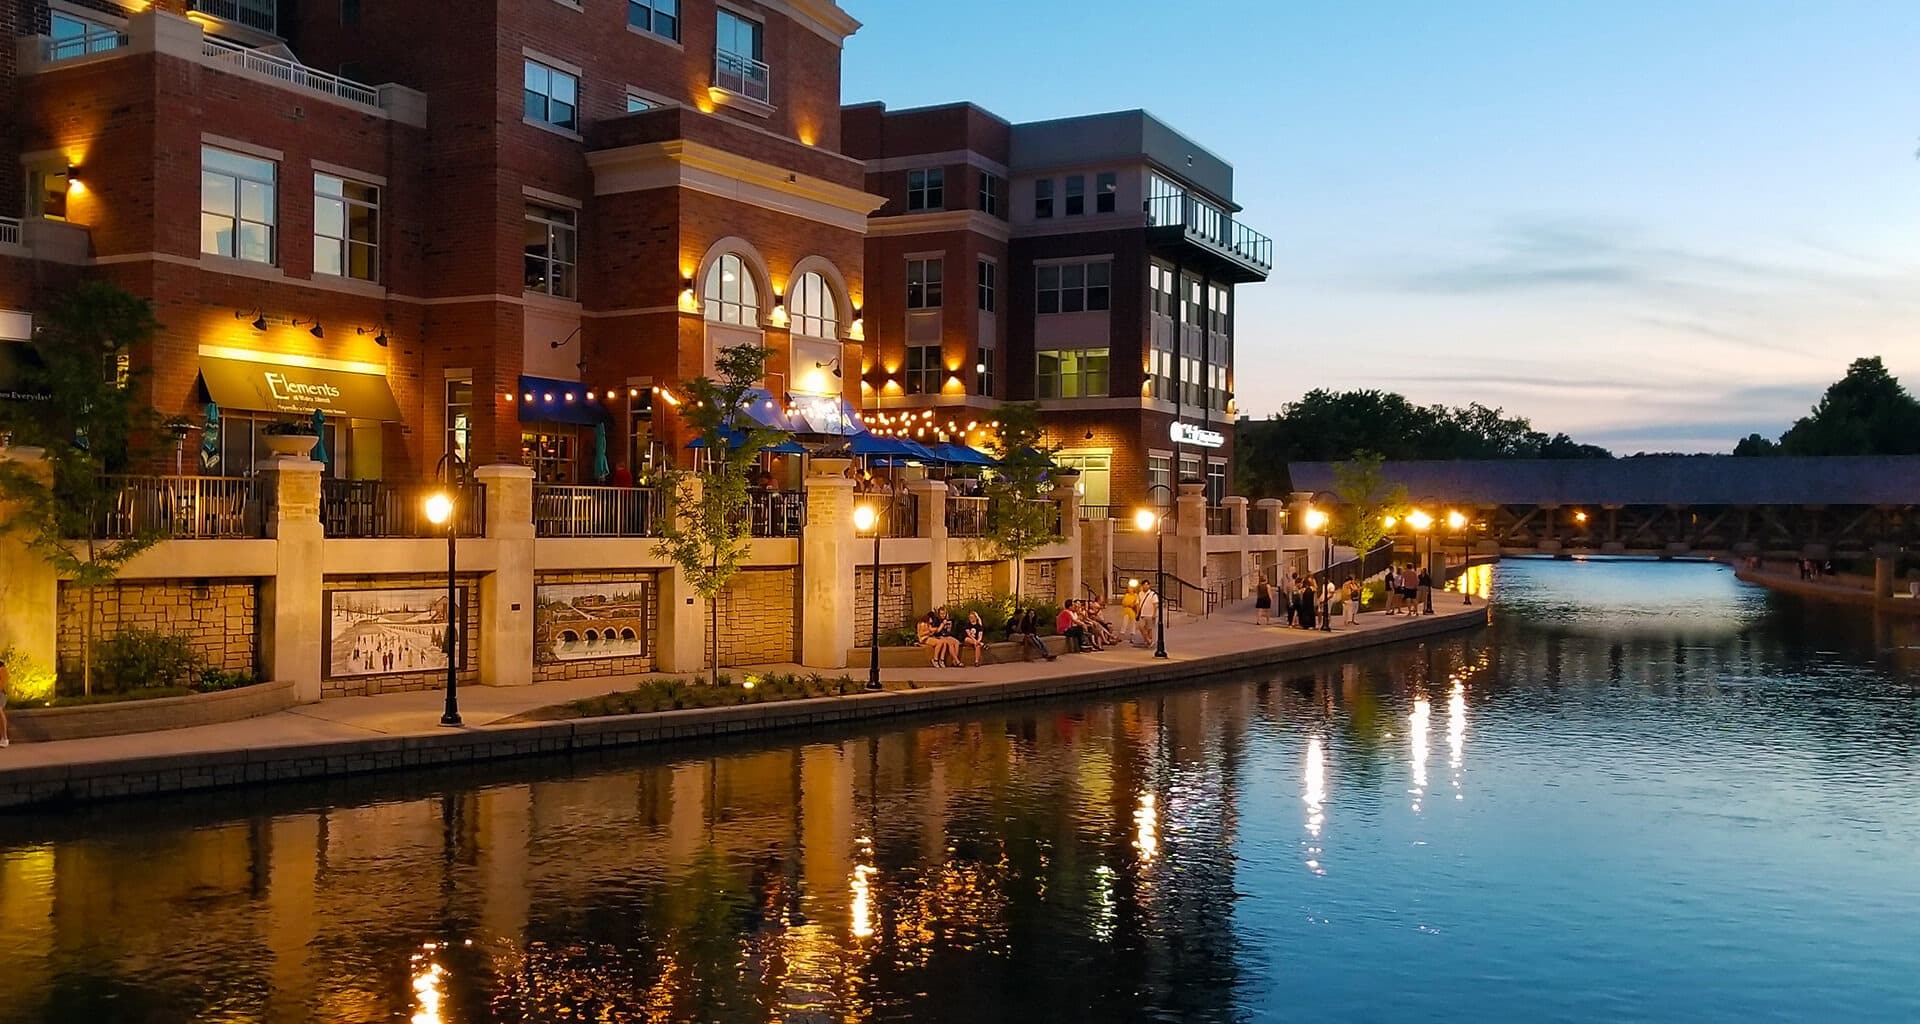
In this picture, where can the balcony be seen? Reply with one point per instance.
(378, 508)
(9, 231)
(98, 39)
(567, 511)
(259, 15)
(181, 508)
(1204, 236)
(260, 62)
(743, 76)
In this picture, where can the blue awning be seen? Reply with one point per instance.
(736, 438)
(961, 455)
(545, 400)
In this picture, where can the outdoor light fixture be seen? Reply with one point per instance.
(379, 334)
(1420, 521)
(439, 508)
(1458, 523)
(867, 517)
(1579, 517)
(1316, 523)
(1149, 519)
(259, 322)
(316, 330)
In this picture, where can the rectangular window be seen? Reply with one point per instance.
(1216, 482)
(460, 419)
(552, 96)
(637, 103)
(983, 371)
(660, 17)
(1106, 191)
(923, 369)
(1043, 199)
(550, 455)
(1189, 468)
(1074, 287)
(238, 212)
(993, 194)
(552, 251)
(1076, 195)
(923, 284)
(1070, 374)
(346, 228)
(47, 193)
(1160, 479)
(71, 36)
(987, 271)
(927, 190)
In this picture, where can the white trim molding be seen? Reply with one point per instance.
(680, 163)
(941, 222)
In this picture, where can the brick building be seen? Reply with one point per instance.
(547, 214)
(1087, 264)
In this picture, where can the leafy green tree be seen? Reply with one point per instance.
(93, 423)
(1020, 516)
(1366, 500)
(1755, 445)
(1866, 412)
(708, 522)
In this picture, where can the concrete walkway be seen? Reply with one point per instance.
(1845, 588)
(353, 734)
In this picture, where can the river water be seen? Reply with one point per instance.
(1647, 793)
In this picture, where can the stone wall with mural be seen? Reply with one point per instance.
(590, 625)
(1042, 581)
(759, 623)
(969, 581)
(220, 618)
(386, 634)
(896, 602)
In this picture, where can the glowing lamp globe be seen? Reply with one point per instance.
(439, 509)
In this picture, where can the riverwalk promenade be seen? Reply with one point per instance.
(1844, 588)
(355, 735)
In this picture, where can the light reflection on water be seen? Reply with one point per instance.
(1681, 809)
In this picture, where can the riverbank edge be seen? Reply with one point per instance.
(53, 785)
(1781, 583)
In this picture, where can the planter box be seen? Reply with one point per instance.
(121, 717)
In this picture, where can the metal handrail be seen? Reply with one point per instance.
(1372, 564)
(743, 76)
(94, 40)
(380, 508)
(1218, 228)
(564, 510)
(966, 517)
(256, 14)
(9, 231)
(777, 513)
(1171, 601)
(282, 70)
(181, 508)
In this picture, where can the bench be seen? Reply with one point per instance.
(919, 657)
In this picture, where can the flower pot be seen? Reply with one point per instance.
(297, 446)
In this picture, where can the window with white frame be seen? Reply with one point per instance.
(552, 96)
(923, 369)
(993, 195)
(1070, 373)
(660, 17)
(1106, 191)
(983, 369)
(1216, 481)
(1076, 195)
(731, 295)
(346, 228)
(1043, 199)
(238, 210)
(69, 35)
(1073, 287)
(927, 189)
(738, 53)
(460, 419)
(923, 283)
(988, 272)
(815, 314)
(552, 250)
(1160, 479)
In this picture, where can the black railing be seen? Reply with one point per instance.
(1366, 567)
(1219, 522)
(899, 515)
(1260, 521)
(966, 517)
(561, 510)
(1179, 595)
(1212, 225)
(777, 513)
(181, 508)
(382, 508)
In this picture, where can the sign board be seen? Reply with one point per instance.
(1187, 433)
(275, 387)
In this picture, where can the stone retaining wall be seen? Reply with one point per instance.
(969, 581)
(220, 618)
(758, 620)
(1041, 581)
(896, 602)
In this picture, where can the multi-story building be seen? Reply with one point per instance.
(549, 214)
(1087, 264)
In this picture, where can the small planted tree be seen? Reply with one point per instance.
(1020, 518)
(1366, 501)
(91, 423)
(708, 521)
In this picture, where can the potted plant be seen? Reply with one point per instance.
(294, 438)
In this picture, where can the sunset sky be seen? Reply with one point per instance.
(1655, 226)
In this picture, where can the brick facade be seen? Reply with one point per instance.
(220, 618)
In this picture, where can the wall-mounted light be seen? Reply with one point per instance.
(73, 178)
(688, 302)
(1089, 433)
(379, 334)
(857, 330)
(779, 315)
(834, 363)
(313, 327)
(259, 321)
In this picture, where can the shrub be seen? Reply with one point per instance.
(136, 658)
(28, 681)
(214, 680)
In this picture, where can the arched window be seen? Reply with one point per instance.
(731, 297)
(815, 314)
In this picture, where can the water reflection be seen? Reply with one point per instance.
(1315, 796)
(1417, 725)
(1456, 731)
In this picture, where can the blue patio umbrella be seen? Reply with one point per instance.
(961, 455)
(736, 438)
(210, 440)
(601, 471)
(866, 445)
(320, 453)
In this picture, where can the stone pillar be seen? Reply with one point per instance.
(1096, 553)
(1187, 548)
(1883, 575)
(1276, 514)
(29, 587)
(291, 606)
(680, 635)
(1299, 503)
(1236, 507)
(829, 553)
(929, 582)
(505, 643)
(1066, 576)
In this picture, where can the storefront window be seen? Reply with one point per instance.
(1096, 472)
(549, 455)
(1160, 479)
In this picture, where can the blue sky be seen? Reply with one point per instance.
(1653, 225)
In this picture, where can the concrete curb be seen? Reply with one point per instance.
(175, 773)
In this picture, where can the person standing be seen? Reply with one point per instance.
(1262, 603)
(1308, 597)
(1149, 613)
(1424, 584)
(1351, 600)
(1287, 597)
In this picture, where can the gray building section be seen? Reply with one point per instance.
(1123, 135)
(1705, 480)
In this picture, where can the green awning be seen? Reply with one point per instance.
(297, 390)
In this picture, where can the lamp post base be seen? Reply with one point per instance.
(451, 721)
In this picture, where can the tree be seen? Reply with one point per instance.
(708, 522)
(1866, 412)
(1020, 518)
(1755, 445)
(92, 424)
(1366, 500)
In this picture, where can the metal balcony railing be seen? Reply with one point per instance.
(263, 15)
(9, 231)
(966, 517)
(181, 508)
(94, 40)
(899, 515)
(777, 513)
(567, 511)
(1095, 513)
(743, 76)
(1219, 523)
(1207, 223)
(297, 75)
(380, 508)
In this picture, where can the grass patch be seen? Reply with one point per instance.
(656, 695)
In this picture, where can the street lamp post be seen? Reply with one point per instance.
(867, 517)
(439, 508)
(1459, 524)
(1144, 520)
(1319, 522)
(1423, 523)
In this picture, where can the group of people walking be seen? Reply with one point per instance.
(1299, 600)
